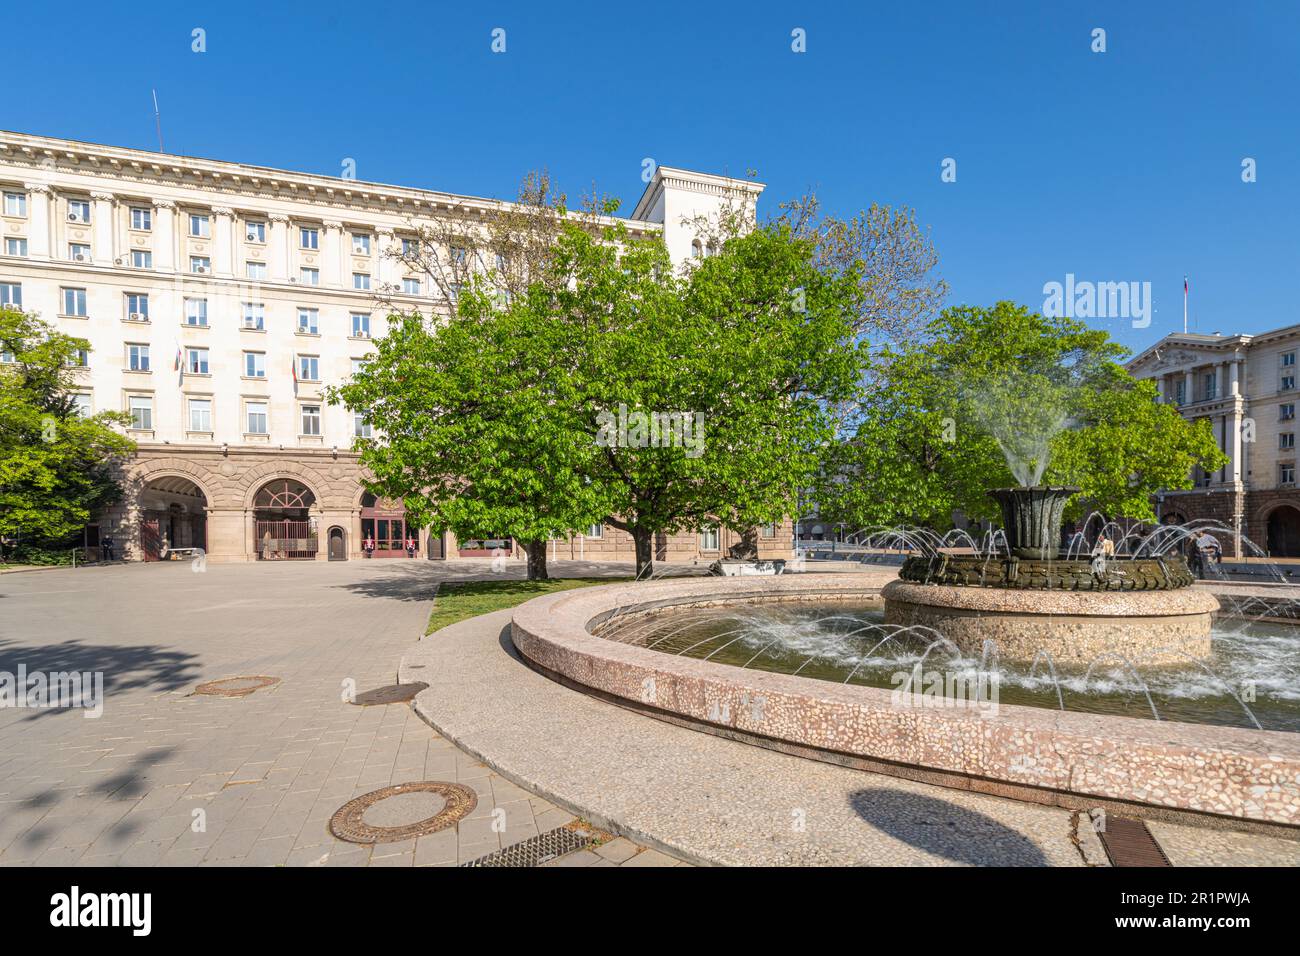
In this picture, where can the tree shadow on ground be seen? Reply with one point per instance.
(151, 667)
(401, 579)
(945, 829)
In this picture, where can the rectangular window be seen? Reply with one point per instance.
(7, 356)
(411, 286)
(200, 226)
(360, 244)
(308, 368)
(16, 204)
(81, 402)
(200, 414)
(360, 325)
(137, 357)
(309, 321)
(1286, 440)
(255, 231)
(141, 259)
(256, 413)
(358, 365)
(74, 302)
(16, 247)
(311, 419)
(1286, 411)
(1180, 392)
(255, 364)
(1210, 389)
(309, 276)
(410, 247)
(768, 530)
(196, 312)
(360, 427)
(11, 294)
(255, 270)
(458, 255)
(78, 252)
(80, 359)
(1286, 474)
(137, 307)
(79, 210)
(361, 280)
(200, 264)
(1288, 360)
(141, 218)
(141, 407)
(709, 539)
(596, 531)
(255, 316)
(309, 238)
(196, 361)
(1287, 383)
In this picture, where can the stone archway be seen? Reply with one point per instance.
(171, 513)
(284, 521)
(1283, 532)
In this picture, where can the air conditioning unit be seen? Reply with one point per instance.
(201, 269)
(74, 217)
(138, 317)
(252, 237)
(80, 257)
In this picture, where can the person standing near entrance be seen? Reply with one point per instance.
(369, 547)
(106, 547)
(410, 547)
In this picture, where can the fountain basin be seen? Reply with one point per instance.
(1148, 627)
(1064, 758)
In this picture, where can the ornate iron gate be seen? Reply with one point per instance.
(286, 540)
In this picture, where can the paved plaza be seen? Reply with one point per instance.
(263, 773)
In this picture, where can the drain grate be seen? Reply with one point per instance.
(347, 823)
(389, 694)
(235, 686)
(1130, 843)
(539, 849)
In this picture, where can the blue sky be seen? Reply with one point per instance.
(1118, 166)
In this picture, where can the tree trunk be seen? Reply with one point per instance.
(643, 538)
(536, 553)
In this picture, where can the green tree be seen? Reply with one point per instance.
(57, 468)
(996, 396)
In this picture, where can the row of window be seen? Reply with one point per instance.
(256, 421)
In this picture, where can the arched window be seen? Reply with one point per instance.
(697, 249)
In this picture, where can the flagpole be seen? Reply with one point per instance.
(1184, 305)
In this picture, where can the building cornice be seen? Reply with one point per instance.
(148, 171)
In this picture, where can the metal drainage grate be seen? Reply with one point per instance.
(539, 849)
(347, 823)
(235, 686)
(389, 694)
(1130, 843)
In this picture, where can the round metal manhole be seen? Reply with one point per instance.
(402, 812)
(235, 686)
(389, 694)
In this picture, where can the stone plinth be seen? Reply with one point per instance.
(1147, 627)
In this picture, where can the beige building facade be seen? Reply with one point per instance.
(1246, 387)
(219, 300)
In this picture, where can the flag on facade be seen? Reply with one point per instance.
(294, 366)
(179, 365)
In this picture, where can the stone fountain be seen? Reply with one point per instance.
(1031, 600)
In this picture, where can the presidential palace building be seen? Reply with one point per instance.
(219, 299)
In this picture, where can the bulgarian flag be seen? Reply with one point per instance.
(179, 365)
(294, 367)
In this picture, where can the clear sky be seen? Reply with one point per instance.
(1117, 166)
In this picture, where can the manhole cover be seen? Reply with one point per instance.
(389, 694)
(403, 811)
(235, 686)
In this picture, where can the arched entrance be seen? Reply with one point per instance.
(173, 514)
(1284, 532)
(338, 544)
(384, 525)
(282, 521)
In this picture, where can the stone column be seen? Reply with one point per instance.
(103, 251)
(1160, 388)
(278, 248)
(1189, 384)
(164, 231)
(1234, 377)
(223, 242)
(331, 242)
(39, 220)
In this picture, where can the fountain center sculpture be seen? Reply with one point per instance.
(1032, 599)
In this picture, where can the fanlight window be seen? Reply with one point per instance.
(284, 494)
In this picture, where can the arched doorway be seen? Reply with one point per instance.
(338, 544)
(282, 520)
(1284, 532)
(383, 524)
(173, 514)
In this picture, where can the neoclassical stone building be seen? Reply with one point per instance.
(220, 299)
(1246, 387)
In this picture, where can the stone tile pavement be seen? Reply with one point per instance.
(166, 778)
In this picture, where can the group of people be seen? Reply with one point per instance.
(1205, 554)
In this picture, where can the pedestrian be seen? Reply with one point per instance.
(370, 547)
(106, 547)
(1102, 552)
(410, 546)
(1206, 554)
